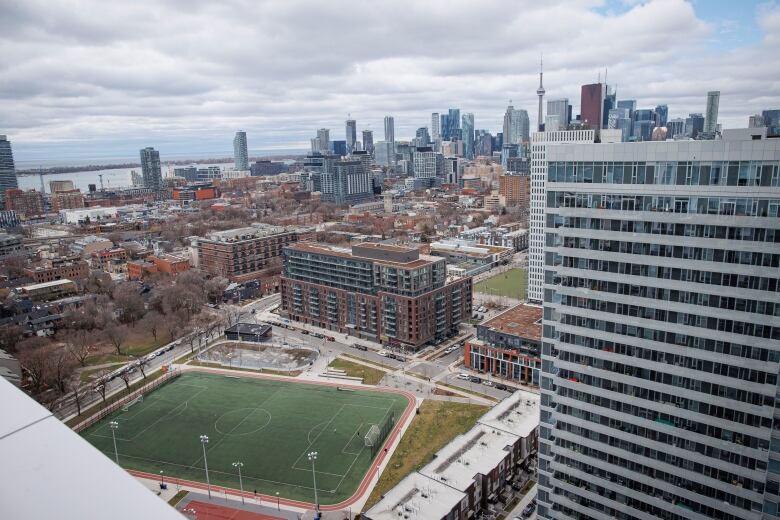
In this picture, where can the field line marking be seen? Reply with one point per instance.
(315, 438)
(185, 403)
(357, 430)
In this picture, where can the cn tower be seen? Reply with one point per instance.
(540, 93)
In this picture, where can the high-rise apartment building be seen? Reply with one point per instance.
(592, 105)
(368, 141)
(450, 125)
(560, 109)
(151, 169)
(424, 160)
(7, 169)
(351, 137)
(381, 292)
(711, 114)
(390, 131)
(515, 188)
(346, 181)
(539, 143)
(661, 346)
(240, 151)
(694, 125)
(435, 126)
(516, 126)
(244, 254)
(467, 134)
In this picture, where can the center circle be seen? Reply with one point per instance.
(242, 421)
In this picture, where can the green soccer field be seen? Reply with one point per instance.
(269, 425)
(513, 284)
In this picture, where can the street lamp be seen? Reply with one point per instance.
(204, 439)
(312, 458)
(240, 465)
(278, 507)
(114, 425)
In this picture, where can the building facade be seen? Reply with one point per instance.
(25, 203)
(376, 291)
(539, 143)
(368, 141)
(592, 105)
(7, 169)
(351, 134)
(151, 169)
(516, 190)
(661, 344)
(240, 151)
(245, 253)
(711, 113)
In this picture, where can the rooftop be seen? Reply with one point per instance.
(518, 414)
(245, 233)
(44, 285)
(416, 496)
(522, 320)
(326, 249)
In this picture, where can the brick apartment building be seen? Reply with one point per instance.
(244, 254)
(509, 345)
(376, 291)
(104, 259)
(49, 270)
(167, 264)
(72, 199)
(25, 203)
(516, 190)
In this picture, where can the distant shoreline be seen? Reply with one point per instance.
(55, 170)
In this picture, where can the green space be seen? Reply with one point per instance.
(370, 375)
(436, 424)
(268, 425)
(512, 284)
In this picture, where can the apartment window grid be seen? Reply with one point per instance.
(660, 355)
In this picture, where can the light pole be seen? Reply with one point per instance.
(240, 465)
(312, 458)
(204, 439)
(114, 425)
(278, 507)
(162, 480)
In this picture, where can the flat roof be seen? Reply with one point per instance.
(44, 285)
(521, 320)
(325, 249)
(478, 451)
(416, 496)
(517, 414)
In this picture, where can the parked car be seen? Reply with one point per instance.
(464, 375)
(529, 509)
(487, 383)
(501, 386)
(475, 379)
(304, 332)
(331, 338)
(383, 353)
(360, 347)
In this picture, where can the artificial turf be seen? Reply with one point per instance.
(512, 283)
(268, 425)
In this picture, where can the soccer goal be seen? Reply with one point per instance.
(139, 399)
(372, 436)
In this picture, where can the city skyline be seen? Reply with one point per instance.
(98, 107)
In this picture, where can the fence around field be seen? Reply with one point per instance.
(116, 405)
(269, 355)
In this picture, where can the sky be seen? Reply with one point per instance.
(93, 81)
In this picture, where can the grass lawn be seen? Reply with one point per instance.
(437, 424)
(512, 283)
(269, 425)
(371, 376)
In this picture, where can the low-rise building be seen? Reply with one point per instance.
(71, 199)
(509, 345)
(51, 269)
(107, 259)
(192, 192)
(89, 244)
(468, 258)
(167, 264)
(87, 215)
(25, 203)
(49, 290)
(254, 332)
(11, 245)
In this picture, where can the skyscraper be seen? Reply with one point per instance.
(660, 348)
(150, 168)
(450, 127)
(539, 144)
(662, 115)
(323, 140)
(240, 153)
(610, 97)
(694, 125)
(619, 119)
(422, 137)
(516, 126)
(592, 105)
(368, 141)
(7, 169)
(467, 133)
(390, 131)
(559, 108)
(351, 135)
(711, 115)
(540, 93)
(435, 126)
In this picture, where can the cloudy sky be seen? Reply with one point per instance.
(85, 80)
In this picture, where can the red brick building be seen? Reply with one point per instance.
(25, 203)
(49, 270)
(168, 264)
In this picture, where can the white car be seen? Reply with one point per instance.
(487, 383)
(382, 353)
(464, 375)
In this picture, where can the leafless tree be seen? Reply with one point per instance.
(143, 364)
(116, 334)
(154, 321)
(78, 342)
(129, 302)
(215, 287)
(10, 336)
(35, 362)
(78, 391)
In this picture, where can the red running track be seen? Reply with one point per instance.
(364, 484)
(206, 511)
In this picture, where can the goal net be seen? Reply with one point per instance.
(372, 436)
(139, 399)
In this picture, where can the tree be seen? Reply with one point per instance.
(142, 364)
(129, 302)
(116, 335)
(60, 369)
(154, 321)
(78, 391)
(78, 342)
(99, 282)
(10, 336)
(125, 376)
(35, 362)
(215, 287)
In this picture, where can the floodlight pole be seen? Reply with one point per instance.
(204, 439)
(278, 507)
(312, 458)
(239, 465)
(114, 425)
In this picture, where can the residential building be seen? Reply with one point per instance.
(193, 192)
(467, 134)
(48, 270)
(466, 258)
(515, 188)
(240, 152)
(435, 126)
(661, 346)
(384, 153)
(539, 143)
(338, 147)
(351, 135)
(244, 254)
(25, 203)
(390, 132)
(368, 141)
(151, 169)
(48, 291)
(66, 199)
(8, 219)
(592, 105)
(711, 113)
(346, 181)
(88, 244)
(425, 165)
(509, 345)
(11, 245)
(516, 126)
(421, 138)
(166, 264)
(87, 215)
(471, 472)
(452, 171)
(7, 170)
(322, 142)
(103, 260)
(377, 291)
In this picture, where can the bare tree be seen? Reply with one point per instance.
(79, 392)
(215, 287)
(154, 321)
(142, 365)
(35, 361)
(125, 376)
(129, 302)
(116, 334)
(10, 337)
(78, 342)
